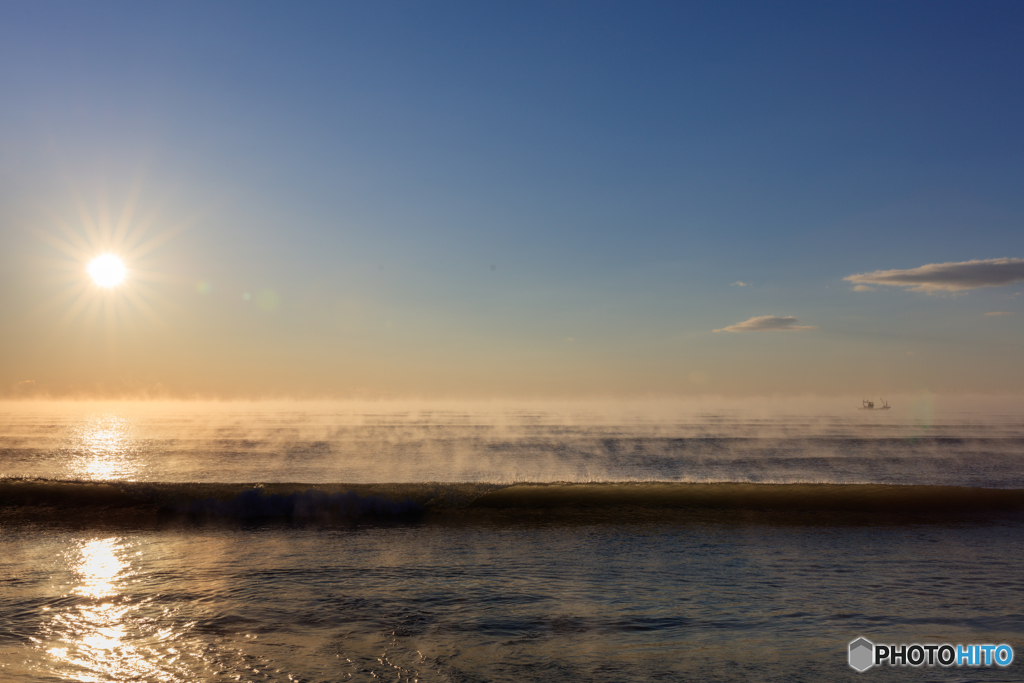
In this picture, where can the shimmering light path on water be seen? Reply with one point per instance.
(525, 601)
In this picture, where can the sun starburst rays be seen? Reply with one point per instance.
(103, 269)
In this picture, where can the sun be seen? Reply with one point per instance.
(106, 264)
(107, 270)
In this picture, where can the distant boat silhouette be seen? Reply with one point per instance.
(870, 405)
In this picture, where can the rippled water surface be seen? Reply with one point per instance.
(96, 592)
(535, 602)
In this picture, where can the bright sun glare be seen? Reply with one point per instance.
(107, 270)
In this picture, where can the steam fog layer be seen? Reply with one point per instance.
(921, 440)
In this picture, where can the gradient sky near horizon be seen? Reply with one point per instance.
(512, 198)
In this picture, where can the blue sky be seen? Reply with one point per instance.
(525, 198)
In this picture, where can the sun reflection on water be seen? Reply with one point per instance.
(110, 622)
(106, 636)
(104, 447)
(91, 638)
(98, 568)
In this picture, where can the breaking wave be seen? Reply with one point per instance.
(300, 502)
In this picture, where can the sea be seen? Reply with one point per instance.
(700, 539)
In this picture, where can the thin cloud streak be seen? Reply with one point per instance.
(946, 277)
(768, 323)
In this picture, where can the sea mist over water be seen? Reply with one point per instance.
(964, 441)
(178, 568)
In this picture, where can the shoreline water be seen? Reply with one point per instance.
(445, 546)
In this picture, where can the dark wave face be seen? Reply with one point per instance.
(629, 501)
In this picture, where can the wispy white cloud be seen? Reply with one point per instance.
(768, 323)
(947, 277)
(863, 288)
(739, 283)
(999, 313)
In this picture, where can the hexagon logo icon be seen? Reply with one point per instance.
(862, 654)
